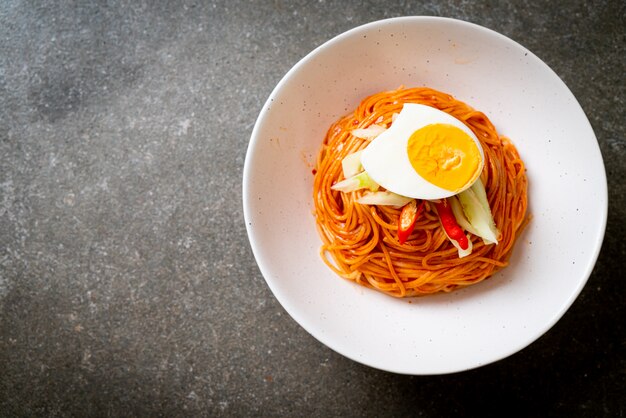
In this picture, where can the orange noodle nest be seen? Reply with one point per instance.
(360, 241)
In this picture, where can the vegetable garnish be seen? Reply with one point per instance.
(370, 132)
(476, 209)
(360, 181)
(383, 198)
(351, 164)
(466, 211)
(450, 226)
(406, 221)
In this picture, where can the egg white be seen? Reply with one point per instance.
(387, 162)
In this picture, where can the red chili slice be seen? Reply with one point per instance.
(406, 221)
(448, 221)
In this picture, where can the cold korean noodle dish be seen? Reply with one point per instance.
(416, 193)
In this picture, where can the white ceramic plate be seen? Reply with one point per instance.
(525, 100)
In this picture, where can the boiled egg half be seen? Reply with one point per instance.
(425, 154)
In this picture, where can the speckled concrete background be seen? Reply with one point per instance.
(127, 285)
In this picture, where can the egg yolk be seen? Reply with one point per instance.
(445, 156)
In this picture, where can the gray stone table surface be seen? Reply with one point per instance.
(127, 283)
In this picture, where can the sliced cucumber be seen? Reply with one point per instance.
(351, 164)
(370, 132)
(360, 181)
(477, 211)
(383, 199)
(457, 209)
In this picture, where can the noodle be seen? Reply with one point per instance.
(359, 241)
